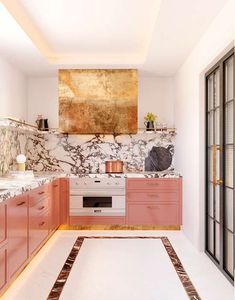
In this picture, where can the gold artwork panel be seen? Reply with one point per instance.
(96, 101)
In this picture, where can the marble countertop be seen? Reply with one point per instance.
(11, 187)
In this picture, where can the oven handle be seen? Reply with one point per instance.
(97, 194)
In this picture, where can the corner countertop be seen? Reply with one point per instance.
(11, 187)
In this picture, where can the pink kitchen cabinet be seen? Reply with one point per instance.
(3, 222)
(54, 205)
(17, 227)
(38, 221)
(3, 245)
(153, 214)
(64, 201)
(154, 201)
(3, 266)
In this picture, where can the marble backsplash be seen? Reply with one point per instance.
(13, 141)
(78, 153)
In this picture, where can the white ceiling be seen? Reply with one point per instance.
(152, 35)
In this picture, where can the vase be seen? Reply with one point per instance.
(149, 125)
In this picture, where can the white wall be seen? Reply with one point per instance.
(189, 119)
(155, 95)
(43, 99)
(13, 92)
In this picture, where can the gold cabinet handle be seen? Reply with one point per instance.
(152, 207)
(216, 148)
(153, 195)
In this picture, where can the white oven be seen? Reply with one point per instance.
(97, 197)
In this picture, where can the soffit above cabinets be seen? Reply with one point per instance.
(94, 32)
(153, 36)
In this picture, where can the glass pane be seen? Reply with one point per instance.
(217, 241)
(229, 122)
(217, 88)
(229, 209)
(97, 201)
(210, 92)
(229, 251)
(217, 203)
(229, 79)
(210, 166)
(210, 128)
(217, 126)
(229, 166)
(210, 235)
(211, 200)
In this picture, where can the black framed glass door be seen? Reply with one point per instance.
(220, 145)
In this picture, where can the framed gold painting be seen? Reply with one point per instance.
(96, 101)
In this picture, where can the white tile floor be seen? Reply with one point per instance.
(36, 280)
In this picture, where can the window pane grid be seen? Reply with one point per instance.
(220, 125)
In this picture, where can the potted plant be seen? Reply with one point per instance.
(150, 119)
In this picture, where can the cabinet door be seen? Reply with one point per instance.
(153, 214)
(3, 222)
(64, 200)
(54, 205)
(38, 224)
(3, 266)
(17, 233)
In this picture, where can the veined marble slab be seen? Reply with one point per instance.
(55, 152)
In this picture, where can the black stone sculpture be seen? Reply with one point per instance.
(159, 159)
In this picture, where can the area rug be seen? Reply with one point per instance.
(64, 275)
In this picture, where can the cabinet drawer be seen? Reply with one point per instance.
(153, 184)
(38, 231)
(38, 207)
(38, 194)
(152, 196)
(153, 214)
(3, 222)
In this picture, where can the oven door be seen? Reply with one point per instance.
(93, 205)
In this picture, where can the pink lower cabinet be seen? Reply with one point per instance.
(3, 266)
(154, 202)
(3, 222)
(17, 225)
(3, 245)
(153, 214)
(38, 222)
(54, 205)
(64, 201)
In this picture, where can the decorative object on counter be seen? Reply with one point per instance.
(21, 159)
(114, 166)
(150, 120)
(22, 174)
(159, 159)
(94, 101)
(161, 127)
(42, 123)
